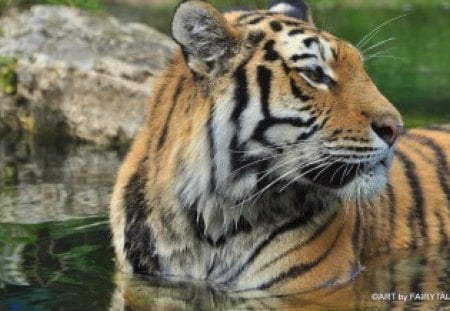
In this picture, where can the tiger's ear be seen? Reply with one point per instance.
(295, 8)
(203, 33)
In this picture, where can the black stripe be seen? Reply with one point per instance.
(255, 37)
(336, 132)
(198, 225)
(276, 26)
(244, 16)
(442, 230)
(265, 124)
(392, 280)
(416, 284)
(297, 57)
(156, 101)
(309, 133)
(297, 92)
(196, 222)
(294, 224)
(271, 54)
(444, 276)
(212, 151)
(163, 137)
(417, 212)
(256, 20)
(241, 98)
(286, 68)
(358, 149)
(292, 23)
(297, 270)
(334, 52)
(392, 211)
(443, 169)
(295, 32)
(139, 245)
(264, 78)
(312, 238)
(250, 14)
(308, 41)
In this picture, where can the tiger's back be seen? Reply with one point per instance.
(415, 210)
(264, 160)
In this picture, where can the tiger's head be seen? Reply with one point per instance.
(291, 104)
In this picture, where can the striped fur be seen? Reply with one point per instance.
(264, 161)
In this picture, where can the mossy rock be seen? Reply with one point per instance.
(8, 75)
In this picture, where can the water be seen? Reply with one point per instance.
(55, 250)
(54, 238)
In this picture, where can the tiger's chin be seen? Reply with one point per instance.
(354, 183)
(365, 186)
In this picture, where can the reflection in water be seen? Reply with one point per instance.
(389, 282)
(56, 265)
(39, 184)
(54, 239)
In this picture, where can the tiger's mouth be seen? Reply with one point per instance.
(339, 174)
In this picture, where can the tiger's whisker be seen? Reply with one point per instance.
(387, 56)
(374, 31)
(335, 172)
(258, 194)
(377, 45)
(300, 176)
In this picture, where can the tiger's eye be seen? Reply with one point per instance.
(315, 75)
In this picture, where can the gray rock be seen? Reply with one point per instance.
(79, 74)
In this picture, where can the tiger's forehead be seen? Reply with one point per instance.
(285, 30)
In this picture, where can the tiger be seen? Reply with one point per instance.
(269, 160)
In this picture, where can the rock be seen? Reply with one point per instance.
(79, 75)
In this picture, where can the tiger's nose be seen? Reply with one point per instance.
(388, 131)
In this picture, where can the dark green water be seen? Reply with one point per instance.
(54, 239)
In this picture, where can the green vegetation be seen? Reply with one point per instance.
(339, 3)
(8, 77)
(91, 5)
(82, 4)
(320, 3)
